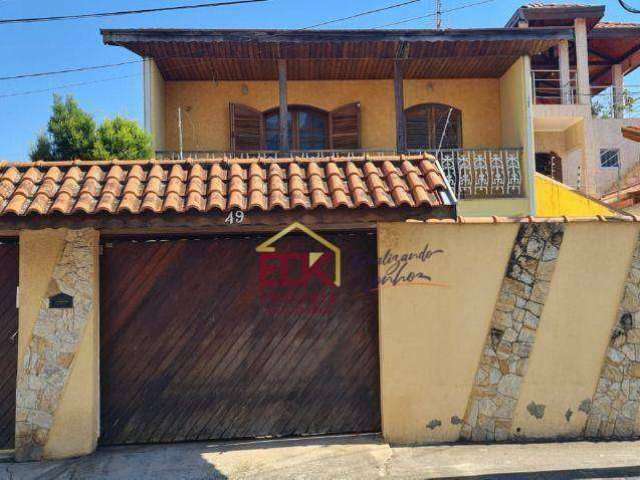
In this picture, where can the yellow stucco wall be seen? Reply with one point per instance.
(478, 99)
(39, 252)
(502, 207)
(154, 103)
(512, 105)
(75, 426)
(206, 107)
(517, 122)
(516, 131)
(547, 142)
(431, 336)
(575, 328)
(554, 199)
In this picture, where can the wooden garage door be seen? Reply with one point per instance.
(197, 345)
(8, 342)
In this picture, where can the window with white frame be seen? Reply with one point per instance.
(609, 157)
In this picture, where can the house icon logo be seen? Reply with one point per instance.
(308, 260)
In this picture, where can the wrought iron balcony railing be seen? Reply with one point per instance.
(483, 173)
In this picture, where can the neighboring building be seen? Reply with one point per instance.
(572, 145)
(625, 192)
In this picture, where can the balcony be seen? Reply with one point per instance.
(483, 173)
(486, 173)
(549, 89)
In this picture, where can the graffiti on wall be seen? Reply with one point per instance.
(401, 268)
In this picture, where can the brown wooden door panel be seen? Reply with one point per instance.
(8, 343)
(193, 348)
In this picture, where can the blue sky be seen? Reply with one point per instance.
(37, 47)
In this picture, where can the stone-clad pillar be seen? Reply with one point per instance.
(616, 402)
(57, 398)
(511, 339)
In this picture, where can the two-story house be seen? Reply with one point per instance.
(289, 265)
(464, 94)
(495, 105)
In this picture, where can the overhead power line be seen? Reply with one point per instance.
(88, 82)
(628, 7)
(69, 70)
(125, 12)
(98, 67)
(461, 7)
(68, 85)
(368, 12)
(361, 14)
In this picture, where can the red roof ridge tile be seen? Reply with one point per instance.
(359, 157)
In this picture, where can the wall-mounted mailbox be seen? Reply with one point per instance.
(61, 300)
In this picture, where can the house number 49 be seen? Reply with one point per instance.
(234, 217)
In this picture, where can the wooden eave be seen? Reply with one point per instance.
(556, 15)
(198, 223)
(120, 37)
(611, 46)
(183, 55)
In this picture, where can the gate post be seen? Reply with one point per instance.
(58, 384)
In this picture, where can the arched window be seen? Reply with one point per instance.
(308, 129)
(426, 125)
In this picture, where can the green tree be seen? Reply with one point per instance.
(123, 139)
(604, 108)
(71, 133)
(42, 149)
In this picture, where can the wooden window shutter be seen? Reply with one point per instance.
(344, 127)
(416, 127)
(426, 126)
(247, 131)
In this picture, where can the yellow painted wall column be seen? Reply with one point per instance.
(516, 125)
(154, 103)
(57, 400)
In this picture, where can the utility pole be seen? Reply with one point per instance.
(438, 14)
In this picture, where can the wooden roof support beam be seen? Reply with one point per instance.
(398, 90)
(284, 108)
(609, 59)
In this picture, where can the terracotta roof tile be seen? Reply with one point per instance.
(152, 186)
(605, 25)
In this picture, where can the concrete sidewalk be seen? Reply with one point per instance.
(342, 457)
